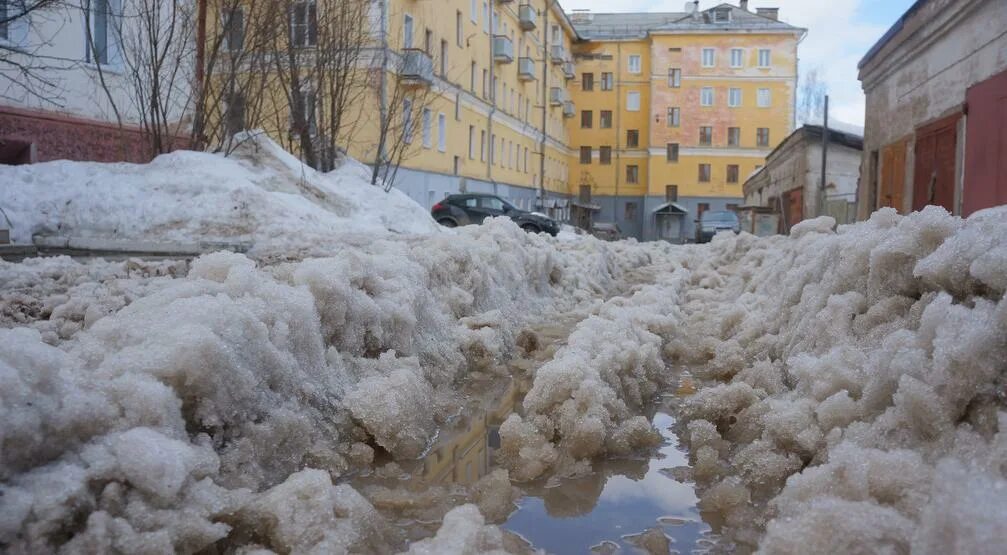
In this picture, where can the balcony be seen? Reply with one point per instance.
(568, 70)
(526, 69)
(558, 54)
(503, 49)
(556, 96)
(417, 67)
(568, 109)
(526, 17)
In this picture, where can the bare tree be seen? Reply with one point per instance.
(405, 106)
(24, 71)
(811, 106)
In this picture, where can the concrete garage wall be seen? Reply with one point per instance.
(921, 72)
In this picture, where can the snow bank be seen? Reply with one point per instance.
(855, 384)
(217, 408)
(259, 194)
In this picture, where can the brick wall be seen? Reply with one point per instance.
(60, 137)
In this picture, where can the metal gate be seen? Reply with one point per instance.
(986, 146)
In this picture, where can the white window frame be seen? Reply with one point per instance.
(674, 116)
(427, 125)
(633, 101)
(712, 54)
(737, 58)
(486, 18)
(765, 98)
(482, 145)
(734, 97)
(113, 58)
(707, 96)
(768, 55)
(442, 132)
(675, 77)
(308, 23)
(407, 121)
(474, 11)
(635, 64)
(407, 31)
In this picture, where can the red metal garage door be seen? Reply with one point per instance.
(934, 174)
(986, 146)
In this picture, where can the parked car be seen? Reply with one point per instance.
(466, 209)
(713, 222)
(606, 231)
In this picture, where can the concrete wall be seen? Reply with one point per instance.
(923, 73)
(427, 188)
(691, 204)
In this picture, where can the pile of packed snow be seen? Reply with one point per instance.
(856, 384)
(218, 408)
(259, 194)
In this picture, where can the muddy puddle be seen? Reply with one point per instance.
(605, 512)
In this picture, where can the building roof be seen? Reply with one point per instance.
(890, 34)
(810, 132)
(635, 25)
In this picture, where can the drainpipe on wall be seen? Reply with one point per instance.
(618, 126)
(545, 103)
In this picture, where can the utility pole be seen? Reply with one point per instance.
(825, 158)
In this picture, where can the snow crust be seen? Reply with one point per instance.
(259, 194)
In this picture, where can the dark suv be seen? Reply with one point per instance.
(456, 210)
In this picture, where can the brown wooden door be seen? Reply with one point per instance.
(934, 170)
(893, 175)
(793, 203)
(986, 146)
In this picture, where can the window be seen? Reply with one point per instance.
(704, 173)
(585, 155)
(734, 97)
(762, 136)
(474, 11)
(737, 57)
(102, 37)
(605, 155)
(671, 193)
(458, 106)
(472, 78)
(485, 82)
(630, 212)
(709, 57)
(606, 81)
(235, 111)
(427, 140)
(702, 207)
(733, 136)
(407, 32)
(486, 18)
(632, 174)
(4, 23)
(672, 154)
(674, 117)
(732, 173)
(765, 98)
(632, 138)
(585, 193)
(706, 136)
(633, 101)
(765, 57)
(555, 35)
(304, 24)
(457, 164)
(407, 121)
(587, 82)
(605, 119)
(482, 145)
(458, 27)
(586, 119)
(442, 133)
(428, 42)
(472, 142)
(234, 27)
(722, 15)
(674, 77)
(634, 63)
(706, 96)
(444, 58)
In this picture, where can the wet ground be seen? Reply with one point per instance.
(604, 512)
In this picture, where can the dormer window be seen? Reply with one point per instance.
(722, 15)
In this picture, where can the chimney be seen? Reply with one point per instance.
(743, 4)
(695, 9)
(770, 13)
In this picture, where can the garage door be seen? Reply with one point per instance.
(934, 173)
(986, 146)
(893, 175)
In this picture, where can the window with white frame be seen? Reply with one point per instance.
(407, 31)
(232, 22)
(722, 15)
(486, 18)
(427, 124)
(474, 11)
(674, 117)
(765, 98)
(634, 63)
(709, 57)
(633, 101)
(765, 57)
(407, 121)
(304, 23)
(101, 31)
(706, 96)
(472, 142)
(482, 145)
(737, 57)
(734, 97)
(5, 15)
(442, 132)
(674, 77)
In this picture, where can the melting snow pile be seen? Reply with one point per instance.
(858, 384)
(221, 406)
(259, 194)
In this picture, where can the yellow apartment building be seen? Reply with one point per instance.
(642, 119)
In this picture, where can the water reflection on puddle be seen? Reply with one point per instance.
(622, 498)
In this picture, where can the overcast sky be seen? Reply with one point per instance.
(839, 33)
